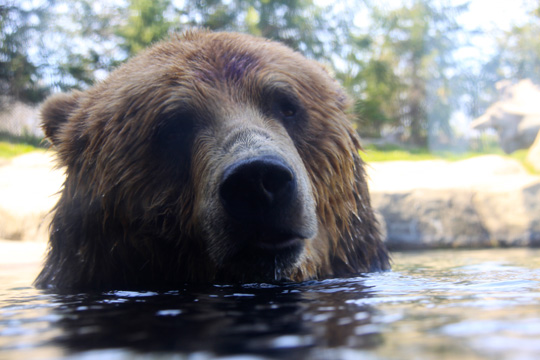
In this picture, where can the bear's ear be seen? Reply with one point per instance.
(55, 113)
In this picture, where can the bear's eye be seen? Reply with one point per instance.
(287, 109)
(285, 106)
(174, 135)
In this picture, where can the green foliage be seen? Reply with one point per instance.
(409, 71)
(518, 54)
(377, 97)
(84, 41)
(113, 33)
(146, 24)
(297, 23)
(19, 74)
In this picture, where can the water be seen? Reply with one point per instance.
(482, 304)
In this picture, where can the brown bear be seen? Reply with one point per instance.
(208, 158)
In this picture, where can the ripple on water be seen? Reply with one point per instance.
(433, 305)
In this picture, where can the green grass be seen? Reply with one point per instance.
(9, 150)
(13, 145)
(375, 153)
(394, 153)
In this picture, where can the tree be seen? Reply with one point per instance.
(80, 45)
(297, 23)
(370, 78)
(401, 72)
(90, 37)
(417, 41)
(19, 74)
(146, 23)
(518, 52)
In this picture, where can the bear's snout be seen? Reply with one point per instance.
(261, 194)
(258, 190)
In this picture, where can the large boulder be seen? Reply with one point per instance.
(428, 218)
(480, 202)
(515, 117)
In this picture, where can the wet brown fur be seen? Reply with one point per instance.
(125, 220)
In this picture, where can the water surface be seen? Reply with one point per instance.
(450, 304)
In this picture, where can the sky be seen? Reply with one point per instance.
(491, 16)
(496, 14)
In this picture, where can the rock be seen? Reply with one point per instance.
(28, 188)
(479, 202)
(430, 218)
(515, 117)
(533, 156)
(511, 216)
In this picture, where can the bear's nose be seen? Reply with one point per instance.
(258, 191)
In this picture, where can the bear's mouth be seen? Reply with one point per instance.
(270, 239)
(259, 257)
(280, 242)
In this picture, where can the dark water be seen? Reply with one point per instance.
(434, 305)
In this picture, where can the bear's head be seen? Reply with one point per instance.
(211, 157)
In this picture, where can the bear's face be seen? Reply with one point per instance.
(232, 151)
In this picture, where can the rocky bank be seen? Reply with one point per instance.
(481, 202)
